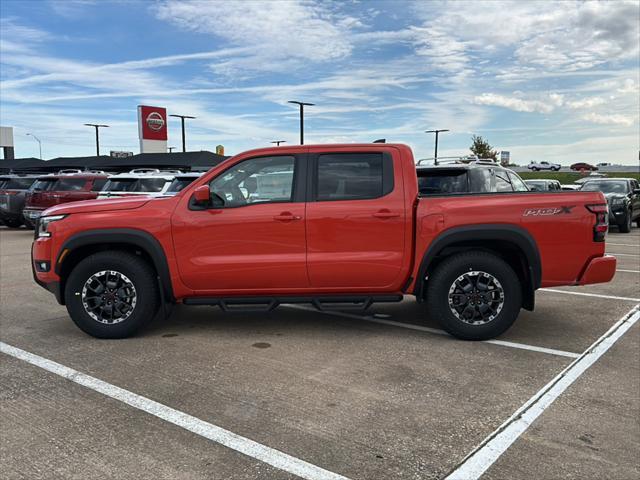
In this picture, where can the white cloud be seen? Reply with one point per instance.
(517, 104)
(586, 102)
(609, 119)
(287, 30)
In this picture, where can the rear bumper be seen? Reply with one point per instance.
(599, 270)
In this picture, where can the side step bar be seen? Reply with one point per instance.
(267, 304)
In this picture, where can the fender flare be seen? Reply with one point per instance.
(513, 234)
(139, 238)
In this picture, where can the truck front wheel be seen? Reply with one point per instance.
(112, 294)
(474, 295)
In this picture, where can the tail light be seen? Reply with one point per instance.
(601, 211)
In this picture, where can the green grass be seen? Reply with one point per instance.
(566, 177)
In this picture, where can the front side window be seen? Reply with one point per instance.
(353, 176)
(179, 184)
(257, 180)
(18, 184)
(150, 185)
(518, 184)
(502, 182)
(98, 184)
(42, 185)
(120, 185)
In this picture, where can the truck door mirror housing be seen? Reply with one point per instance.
(202, 195)
(636, 191)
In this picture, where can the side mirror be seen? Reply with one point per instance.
(202, 195)
(636, 191)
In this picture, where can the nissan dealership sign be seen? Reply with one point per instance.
(152, 129)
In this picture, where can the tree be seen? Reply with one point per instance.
(481, 148)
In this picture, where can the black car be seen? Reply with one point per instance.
(13, 192)
(467, 177)
(623, 197)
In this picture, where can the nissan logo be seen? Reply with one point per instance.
(155, 121)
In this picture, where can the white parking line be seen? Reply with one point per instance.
(623, 254)
(595, 295)
(214, 433)
(486, 454)
(625, 244)
(627, 271)
(411, 326)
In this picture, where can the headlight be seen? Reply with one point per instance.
(617, 201)
(43, 224)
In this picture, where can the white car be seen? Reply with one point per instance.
(140, 181)
(535, 166)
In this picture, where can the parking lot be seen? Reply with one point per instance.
(381, 395)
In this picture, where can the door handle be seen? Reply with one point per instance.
(385, 214)
(286, 217)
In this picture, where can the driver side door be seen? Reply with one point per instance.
(255, 242)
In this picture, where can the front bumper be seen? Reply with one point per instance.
(599, 270)
(41, 250)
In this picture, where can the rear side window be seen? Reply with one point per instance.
(69, 184)
(480, 180)
(98, 184)
(150, 184)
(353, 176)
(442, 182)
(518, 184)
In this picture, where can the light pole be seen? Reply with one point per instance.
(435, 156)
(302, 104)
(278, 142)
(182, 117)
(97, 127)
(39, 143)
(171, 149)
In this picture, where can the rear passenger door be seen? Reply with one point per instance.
(355, 220)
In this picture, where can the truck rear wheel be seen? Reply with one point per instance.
(474, 295)
(112, 294)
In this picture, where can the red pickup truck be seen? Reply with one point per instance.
(330, 225)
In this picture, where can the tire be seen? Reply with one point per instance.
(12, 223)
(446, 278)
(625, 225)
(136, 306)
(535, 169)
(556, 169)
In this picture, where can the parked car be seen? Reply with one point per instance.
(623, 197)
(182, 181)
(462, 177)
(570, 187)
(543, 185)
(322, 224)
(583, 167)
(140, 181)
(535, 166)
(64, 187)
(13, 192)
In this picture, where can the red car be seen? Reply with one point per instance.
(327, 225)
(50, 190)
(583, 167)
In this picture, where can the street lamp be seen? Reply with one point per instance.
(97, 127)
(302, 104)
(182, 117)
(39, 143)
(435, 156)
(278, 142)
(171, 149)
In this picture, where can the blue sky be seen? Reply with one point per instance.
(543, 80)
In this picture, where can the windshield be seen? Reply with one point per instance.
(135, 185)
(17, 184)
(179, 184)
(606, 187)
(69, 184)
(42, 185)
(438, 182)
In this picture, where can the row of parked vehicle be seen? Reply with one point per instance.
(622, 194)
(23, 198)
(555, 167)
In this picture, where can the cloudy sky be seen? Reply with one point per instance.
(556, 81)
